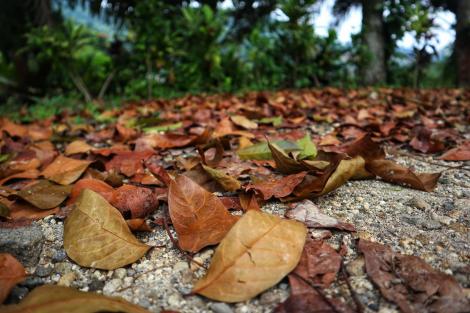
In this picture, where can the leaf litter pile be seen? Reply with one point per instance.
(203, 167)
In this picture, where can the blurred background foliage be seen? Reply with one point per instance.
(167, 48)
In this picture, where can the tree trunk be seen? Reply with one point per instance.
(462, 43)
(374, 70)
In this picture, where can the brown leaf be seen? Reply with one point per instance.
(319, 263)
(138, 224)
(96, 185)
(255, 255)
(309, 214)
(58, 299)
(23, 210)
(29, 174)
(65, 170)
(11, 273)
(248, 201)
(200, 218)
(395, 173)
(459, 153)
(278, 187)
(44, 194)
(410, 282)
(284, 163)
(305, 299)
(96, 235)
(227, 182)
(134, 202)
(129, 162)
(77, 146)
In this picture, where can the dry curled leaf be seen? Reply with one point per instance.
(134, 202)
(96, 235)
(129, 163)
(278, 187)
(410, 282)
(395, 173)
(284, 163)
(65, 170)
(11, 273)
(309, 214)
(255, 255)
(200, 218)
(44, 194)
(227, 182)
(459, 153)
(58, 299)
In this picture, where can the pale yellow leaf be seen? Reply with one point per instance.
(256, 254)
(96, 235)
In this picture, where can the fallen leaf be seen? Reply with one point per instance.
(459, 153)
(410, 282)
(138, 224)
(96, 235)
(261, 151)
(255, 255)
(129, 163)
(44, 194)
(134, 202)
(277, 187)
(29, 174)
(284, 163)
(58, 299)
(308, 150)
(200, 218)
(65, 170)
(226, 181)
(248, 201)
(242, 121)
(77, 146)
(309, 214)
(96, 185)
(305, 299)
(11, 273)
(395, 173)
(319, 263)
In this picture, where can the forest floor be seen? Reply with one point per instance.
(415, 129)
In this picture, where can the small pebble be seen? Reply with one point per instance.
(220, 307)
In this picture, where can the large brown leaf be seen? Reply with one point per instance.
(410, 282)
(57, 299)
(199, 217)
(44, 194)
(11, 273)
(96, 235)
(65, 170)
(255, 255)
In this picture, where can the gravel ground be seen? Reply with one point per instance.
(432, 225)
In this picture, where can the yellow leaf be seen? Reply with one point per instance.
(256, 254)
(228, 182)
(242, 121)
(57, 299)
(96, 235)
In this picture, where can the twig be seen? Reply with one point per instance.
(357, 302)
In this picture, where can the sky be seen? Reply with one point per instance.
(324, 19)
